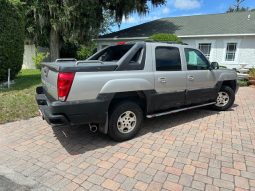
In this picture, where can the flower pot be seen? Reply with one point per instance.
(252, 82)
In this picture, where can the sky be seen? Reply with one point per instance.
(175, 8)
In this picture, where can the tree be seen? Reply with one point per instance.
(76, 21)
(237, 7)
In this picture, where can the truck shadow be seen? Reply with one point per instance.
(79, 140)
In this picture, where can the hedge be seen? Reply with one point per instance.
(165, 37)
(12, 34)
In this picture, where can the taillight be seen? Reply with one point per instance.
(121, 43)
(65, 80)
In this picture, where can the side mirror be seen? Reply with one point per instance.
(214, 65)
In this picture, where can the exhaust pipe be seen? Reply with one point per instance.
(93, 128)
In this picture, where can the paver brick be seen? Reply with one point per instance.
(223, 184)
(110, 184)
(185, 180)
(128, 172)
(141, 186)
(241, 182)
(189, 169)
(230, 171)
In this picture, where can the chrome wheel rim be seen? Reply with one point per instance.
(222, 99)
(126, 122)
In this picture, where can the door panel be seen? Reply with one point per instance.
(170, 92)
(201, 86)
(170, 80)
(201, 82)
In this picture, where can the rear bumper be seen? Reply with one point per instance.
(58, 113)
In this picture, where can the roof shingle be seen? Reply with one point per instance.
(215, 24)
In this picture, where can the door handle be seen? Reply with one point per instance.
(190, 78)
(162, 79)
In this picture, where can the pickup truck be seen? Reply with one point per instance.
(117, 87)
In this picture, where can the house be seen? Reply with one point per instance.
(228, 38)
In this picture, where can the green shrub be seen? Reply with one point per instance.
(86, 51)
(243, 83)
(252, 72)
(12, 31)
(165, 37)
(38, 58)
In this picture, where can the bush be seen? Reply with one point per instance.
(12, 31)
(165, 37)
(38, 58)
(86, 51)
(252, 72)
(243, 83)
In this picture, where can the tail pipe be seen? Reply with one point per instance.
(92, 128)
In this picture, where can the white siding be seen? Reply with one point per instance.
(245, 53)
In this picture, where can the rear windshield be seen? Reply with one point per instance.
(112, 53)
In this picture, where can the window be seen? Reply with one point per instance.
(168, 59)
(206, 49)
(231, 51)
(137, 58)
(196, 60)
(112, 53)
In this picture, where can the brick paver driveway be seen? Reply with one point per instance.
(193, 150)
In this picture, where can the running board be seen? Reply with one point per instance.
(179, 110)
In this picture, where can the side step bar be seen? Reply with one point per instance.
(178, 110)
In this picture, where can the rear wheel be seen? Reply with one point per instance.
(225, 99)
(125, 120)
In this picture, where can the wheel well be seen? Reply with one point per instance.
(230, 83)
(136, 96)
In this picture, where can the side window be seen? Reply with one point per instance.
(168, 59)
(196, 60)
(137, 58)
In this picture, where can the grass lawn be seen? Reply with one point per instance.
(18, 102)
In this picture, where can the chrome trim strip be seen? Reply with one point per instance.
(178, 110)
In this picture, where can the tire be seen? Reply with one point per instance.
(225, 99)
(125, 121)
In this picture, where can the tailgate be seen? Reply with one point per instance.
(49, 76)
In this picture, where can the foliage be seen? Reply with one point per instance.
(86, 51)
(11, 38)
(77, 21)
(18, 102)
(232, 9)
(237, 7)
(165, 37)
(252, 72)
(39, 57)
(243, 83)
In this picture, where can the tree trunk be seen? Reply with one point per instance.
(54, 45)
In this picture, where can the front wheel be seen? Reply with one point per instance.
(125, 121)
(225, 99)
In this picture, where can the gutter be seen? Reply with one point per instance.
(181, 36)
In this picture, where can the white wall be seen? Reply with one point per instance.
(29, 52)
(245, 49)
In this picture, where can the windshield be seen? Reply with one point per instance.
(112, 53)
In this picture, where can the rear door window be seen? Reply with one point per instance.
(112, 53)
(168, 59)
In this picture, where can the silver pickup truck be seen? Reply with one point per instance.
(113, 90)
